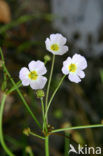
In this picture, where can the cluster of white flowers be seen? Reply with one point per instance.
(73, 67)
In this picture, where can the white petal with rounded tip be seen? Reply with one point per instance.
(65, 70)
(48, 43)
(52, 37)
(25, 82)
(37, 66)
(74, 78)
(43, 81)
(81, 74)
(39, 83)
(32, 65)
(23, 74)
(40, 68)
(67, 62)
(58, 38)
(62, 50)
(80, 61)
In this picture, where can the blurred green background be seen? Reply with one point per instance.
(24, 26)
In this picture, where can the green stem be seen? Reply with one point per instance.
(4, 84)
(54, 95)
(46, 146)
(42, 105)
(4, 75)
(18, 91)
(49, 82)
(77, 127)
(1, 129)
(18, 85)
(38, 136)
(43, 113)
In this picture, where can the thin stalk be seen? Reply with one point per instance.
(49, 82)
(66, 146)
(77, 127)
(55, 91)
(42, 105)
(18, 85)
(4, 84)
(46, 146)
(36, 135)
(7, 150)
(43, 113)
(18, 91)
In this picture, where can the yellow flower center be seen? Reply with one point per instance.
(72, 67)
(54, 47)
(33, 75)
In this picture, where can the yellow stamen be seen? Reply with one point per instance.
(54, 47)
(33, 75)
(72, 67)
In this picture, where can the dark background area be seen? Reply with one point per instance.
(24, 26)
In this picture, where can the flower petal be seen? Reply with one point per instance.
(25, 82)
(81, 74)
(37, 66)
(80, 61)
(67, 62)
(47, 43)
(58, 38)
(39, 83)
(65, 70)
(23, 74)
(32, 65)
(63, 50)
(74, 78)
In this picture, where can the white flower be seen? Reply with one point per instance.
(33, 75)
(56, 44)
(73, 67)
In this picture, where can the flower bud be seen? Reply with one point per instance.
(40, 93)
(26, 131)
(47, 58)
(28, 149)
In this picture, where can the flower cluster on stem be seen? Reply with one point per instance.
(33, 76)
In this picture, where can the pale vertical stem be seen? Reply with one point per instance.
(55, 91)
(49, 82)
(67, 143)
(47, 146)
(43, 113)
(42, 106)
